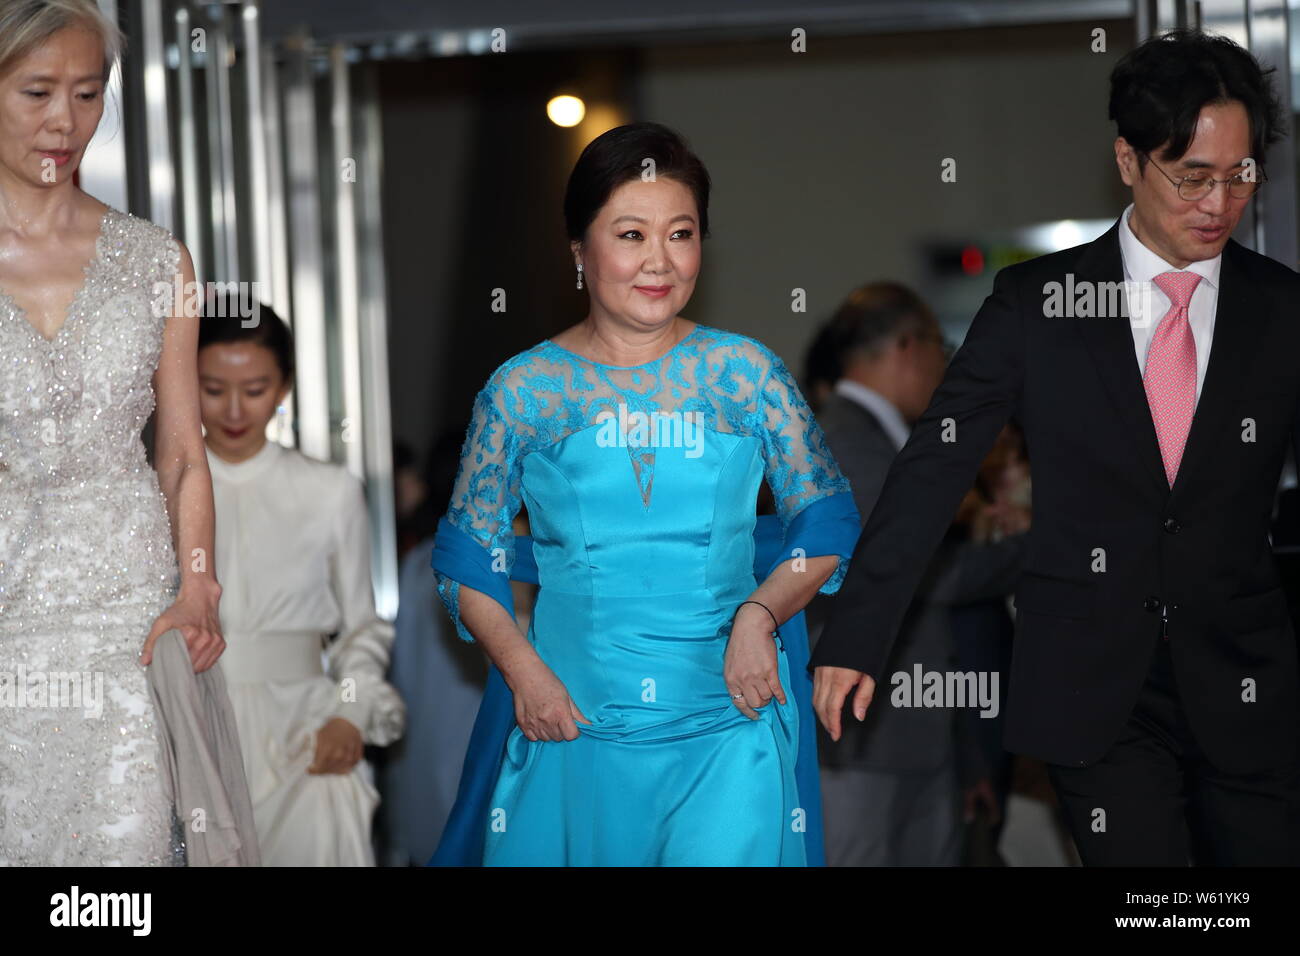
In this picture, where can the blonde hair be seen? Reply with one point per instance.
(26, 24)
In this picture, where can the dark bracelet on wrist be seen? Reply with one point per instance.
(776, 628)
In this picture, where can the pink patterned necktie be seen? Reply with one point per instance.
(1170, 374)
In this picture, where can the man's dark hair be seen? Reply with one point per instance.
(1157, 92)
(872, 317)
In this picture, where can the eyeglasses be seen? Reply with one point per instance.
(1198, 185)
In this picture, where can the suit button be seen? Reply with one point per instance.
(1172, 526)
(1151, 604)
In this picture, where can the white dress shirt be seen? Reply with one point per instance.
(1141, 265)
(890, 418)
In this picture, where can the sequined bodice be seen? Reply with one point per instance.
(72, 465)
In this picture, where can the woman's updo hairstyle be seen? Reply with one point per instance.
(223, 323)
(618, 156)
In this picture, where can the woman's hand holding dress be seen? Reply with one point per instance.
(750, 667)
(195, 615)
(543, 708)
(338, 747)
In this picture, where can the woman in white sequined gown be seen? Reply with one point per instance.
(91, 332)
(293, 555)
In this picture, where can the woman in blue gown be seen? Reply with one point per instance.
(657, 720)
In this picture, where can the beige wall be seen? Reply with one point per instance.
(826, 164)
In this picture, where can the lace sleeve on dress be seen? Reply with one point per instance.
(812, 496)
(475, 542)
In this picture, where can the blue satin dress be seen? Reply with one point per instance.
(640, 485)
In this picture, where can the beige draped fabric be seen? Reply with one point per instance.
(201, 761)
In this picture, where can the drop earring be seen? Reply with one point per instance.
(579, 275)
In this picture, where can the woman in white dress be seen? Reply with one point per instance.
(89, 533)
(293, 555)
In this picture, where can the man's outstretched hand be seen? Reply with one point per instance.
(831, 685)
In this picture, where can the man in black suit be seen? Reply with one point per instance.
(1155, 659)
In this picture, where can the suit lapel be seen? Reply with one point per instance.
(1109, 340)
